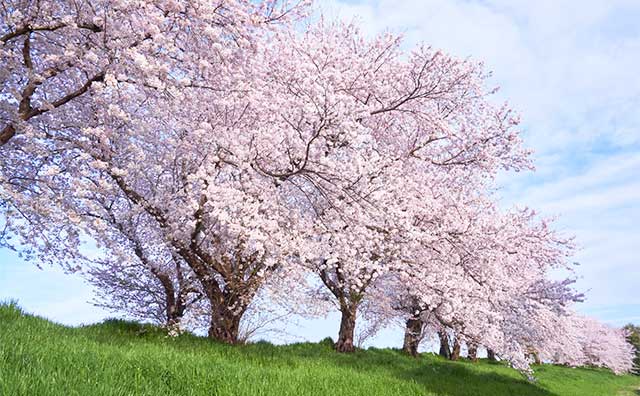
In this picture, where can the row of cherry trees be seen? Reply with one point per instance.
(231, 156)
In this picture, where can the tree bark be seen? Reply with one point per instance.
(175, 310)
(6, 134)
(347, 329)
(472, 351)
(445, 352)
(536, 358)
(455, 352)
(491, 355)
(412, 336)
(224, 325)
(532, 353)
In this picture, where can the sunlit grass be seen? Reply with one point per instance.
(38, 357)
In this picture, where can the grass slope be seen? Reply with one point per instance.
(38, 357)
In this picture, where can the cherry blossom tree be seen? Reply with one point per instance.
(56, 54)
(576, 340)
(143, 281)
(218, 152)
(372, 127)
(513, 308)
(499, 266)
(147, 53)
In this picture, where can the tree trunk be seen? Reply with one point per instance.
(532, 353)
(472, 351)
(455, 352)
(536, 358)
(347, 329)
(224, 326)
(445, 352)
(175, 311)
(174, 302)
(491, 355)
(6, 134)
(412, 336)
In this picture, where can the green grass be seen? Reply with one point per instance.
(38, 357)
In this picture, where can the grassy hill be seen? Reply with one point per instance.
(38, 357)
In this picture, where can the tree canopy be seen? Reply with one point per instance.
(224, 152)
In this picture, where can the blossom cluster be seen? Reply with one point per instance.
(219, 154)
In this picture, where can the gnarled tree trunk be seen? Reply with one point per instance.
(536, 358)
(349, 301)
(347, 329)
(491, 355)
(224, 325)
(173, 304)
(175, 311)
(412, 336)
(176, 308)
(226, 307)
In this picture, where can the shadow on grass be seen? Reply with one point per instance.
(446, 378)
(433, 374)
(460, 379)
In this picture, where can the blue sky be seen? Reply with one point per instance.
(571, 69)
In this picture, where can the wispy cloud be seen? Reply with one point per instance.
(570, 68)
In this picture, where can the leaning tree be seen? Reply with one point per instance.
(128, 135)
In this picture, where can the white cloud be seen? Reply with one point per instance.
(567, 65)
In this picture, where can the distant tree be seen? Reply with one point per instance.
(633, 337)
